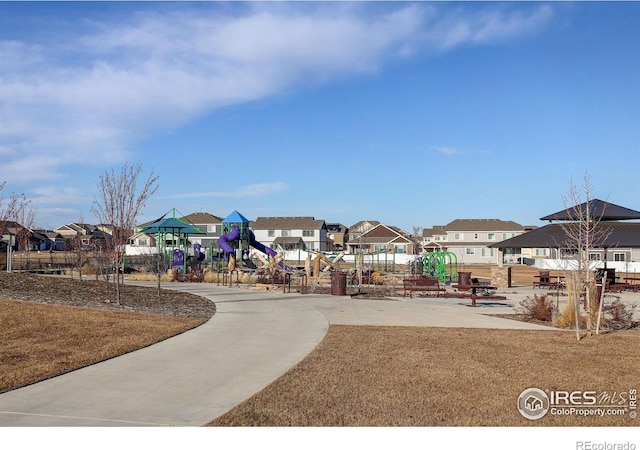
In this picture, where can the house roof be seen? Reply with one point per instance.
(597, 209)
(202, 218)
(380, 234)
(360, 226)
(483, 225)
(436, 229)
(287, 240)
(620, 234)
(337, 228)
(288, 223)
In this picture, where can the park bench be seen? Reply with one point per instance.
(422, 284)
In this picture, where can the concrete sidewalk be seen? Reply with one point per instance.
(253, 338)
(188, 380)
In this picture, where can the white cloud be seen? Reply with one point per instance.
(88, 99)
(449, 151)
(250, 190)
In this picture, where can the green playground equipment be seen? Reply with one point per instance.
(441, 265)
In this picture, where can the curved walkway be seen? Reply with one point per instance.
(190, 379)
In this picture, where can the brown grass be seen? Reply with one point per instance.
(395, 376)
(40, 341)
(357, 376)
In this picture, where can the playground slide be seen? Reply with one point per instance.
(223, 241)
(260, 246)
(234, 234)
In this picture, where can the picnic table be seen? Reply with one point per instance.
(484, 288)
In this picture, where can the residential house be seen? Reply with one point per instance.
(211, 226)
(49, 240)
(292, 233)
(337, 233)
(359, 228)
(380, 238)
(434, 239)
(470, 239)
(83, 234)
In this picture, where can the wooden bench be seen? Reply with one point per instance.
(422, 284)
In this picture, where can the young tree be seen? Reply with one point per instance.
(11, 211)
(121, 197)
(25, 215)
(582, 233)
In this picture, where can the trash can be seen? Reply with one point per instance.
(338, 283)
(464, 278)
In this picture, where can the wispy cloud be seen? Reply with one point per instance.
(88, 98)
(250, 190)
(455, 151)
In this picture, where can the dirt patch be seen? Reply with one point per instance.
(100, 295)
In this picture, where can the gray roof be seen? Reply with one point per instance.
(200, 218)
(483, 225)
(553, 236)
(597, 209)
(287, 223)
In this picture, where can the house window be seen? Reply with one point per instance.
(285, 233)
(457, 236)
(541, 252)
(379, 248)
(594, 256)
(491, 236)
(212, 228)
(400, 249)
(143, 242)
(470, 251)
(508, 235)
(487, 252)
(271, 233)
(308, 233)
(476, 236)
(621, 257)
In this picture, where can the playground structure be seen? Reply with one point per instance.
(173, 239)
(235, 242)
(442, 266)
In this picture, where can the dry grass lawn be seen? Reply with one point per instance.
(395, 376)
(357, 376)
(39, 341)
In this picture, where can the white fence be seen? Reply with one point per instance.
(566, 264)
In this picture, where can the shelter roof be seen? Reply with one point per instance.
(597, 209)
(620, 234)
(171, 225)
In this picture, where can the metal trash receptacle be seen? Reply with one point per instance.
(338, 283)
(464, 278)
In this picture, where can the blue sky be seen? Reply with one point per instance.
(411, 113)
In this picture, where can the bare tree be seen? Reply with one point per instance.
(121, 197)
(25, 216)
(9, 211)
(583, 233)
